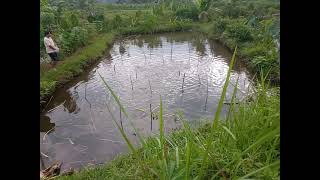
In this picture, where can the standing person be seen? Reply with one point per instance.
(51, 47)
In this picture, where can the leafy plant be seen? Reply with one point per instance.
(239, 31)
(190, 12)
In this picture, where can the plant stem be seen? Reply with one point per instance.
(184, 74)
(150, 87)
(131, 83)
(150, 117)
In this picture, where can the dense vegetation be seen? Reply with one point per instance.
(254, 26)
(246, 144)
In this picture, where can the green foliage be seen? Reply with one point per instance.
(158, 9)
(252, 25)
(74, 23)
(239, 31)
(234, 10)
(190, 12)
(117, 22)
(202, 5)
(220, 25)
(93, 18)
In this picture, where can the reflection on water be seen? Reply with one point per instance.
(45, 124)
(139, 69)
(199, 43)
(122, 48)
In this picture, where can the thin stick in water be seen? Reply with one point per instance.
(145, 58)
(47, 104)
(150, 87)
(136, 74)
(150, 52)
(131, 83)
(184, 75)
(171, 52)
(44, 136)
(205, 105)
(121, 119)
(189, 51)
(199, 79)
(120, 116)
(42, 163)
(114, 68)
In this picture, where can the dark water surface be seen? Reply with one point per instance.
(76, 126)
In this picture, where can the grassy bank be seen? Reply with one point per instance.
(245, 144)
(73, 65)
(259, 56)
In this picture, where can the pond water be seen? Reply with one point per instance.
(186, 69)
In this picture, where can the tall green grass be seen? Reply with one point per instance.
(247, 146)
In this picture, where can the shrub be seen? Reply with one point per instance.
(239, 31)
(220, 25)
(150, 23)
(187, 13)
(117, 22)
(70, 41)
(92, 18)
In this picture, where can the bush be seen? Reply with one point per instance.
(68, 20)
(99, 17)
(117, 22)
(46, 19)
(71, 41)
(150, 23)
(187, 13)
(220, 25)
(158, 9)
(261, 62)
(239, 31)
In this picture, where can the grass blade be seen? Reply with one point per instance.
(262, 139)
(122, 131)
(114, 119)
(216, 118)
(229, 132)
(114, 96)
(224, 92)
(258, 170)
(161, 126)
(177, 157)
(256, 143)
(188, 155)
(232, 103)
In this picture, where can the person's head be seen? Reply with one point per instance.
(47, 34)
